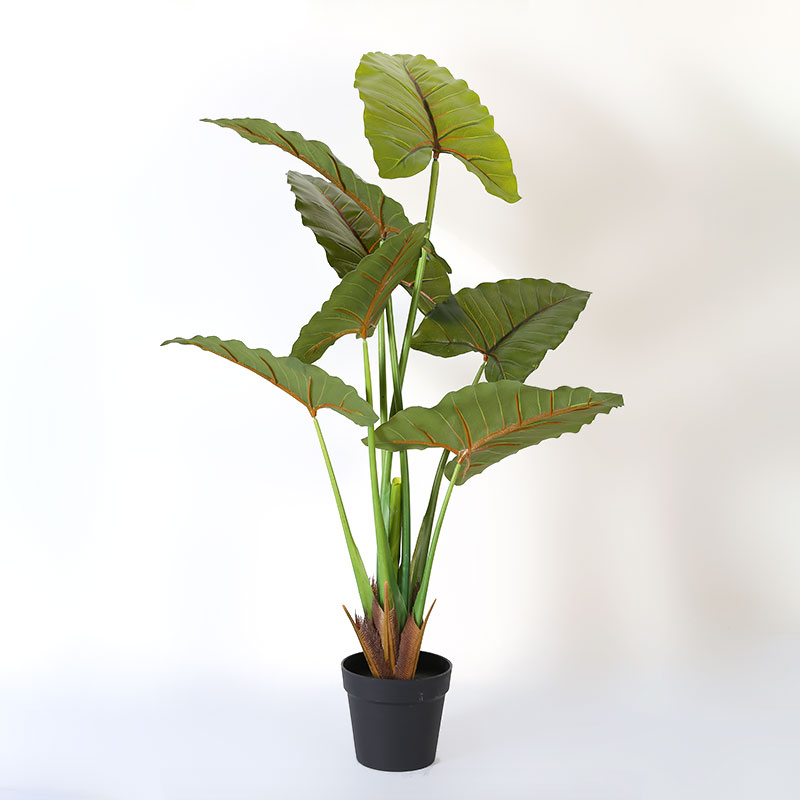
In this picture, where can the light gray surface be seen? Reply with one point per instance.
(721, 733)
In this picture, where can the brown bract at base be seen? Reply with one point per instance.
(389, 653)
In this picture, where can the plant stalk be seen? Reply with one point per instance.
(412, 311)
(362, 581)
(397, 384)
(425, 528)
(397, 381)
(395, 520)
(389, 315)
(385, 573)
(424, 536)
(386, 469)
(398, 375)
(405, 528)
(397, 405)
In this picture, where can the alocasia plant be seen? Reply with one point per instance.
(414, 112)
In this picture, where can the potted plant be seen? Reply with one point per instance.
(414, 112)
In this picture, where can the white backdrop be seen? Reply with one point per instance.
(165, 519)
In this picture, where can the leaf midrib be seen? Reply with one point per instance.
(381, 288)
(526, 424)
(516, 328)
(485, 442)
(310, 405)
(490, 351)
(345, 220)
(437, 148)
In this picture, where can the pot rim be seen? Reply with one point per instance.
(437, 676)
(388, 690)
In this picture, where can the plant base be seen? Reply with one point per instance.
(396, 722)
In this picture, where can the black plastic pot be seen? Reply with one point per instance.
(396, 723)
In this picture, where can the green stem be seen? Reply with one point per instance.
(412, 311)
(424, 537)
(397, 383)
(384, 408)
(426, 527)
(386, 477)
(395, 515)
(390, 333)
(385, 573)
(405, 530)
(419, 605)
(362, 581)
(397, 405)
(398, 375)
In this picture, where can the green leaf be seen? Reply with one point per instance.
(513, 323)
(414, 108)
(356, 304)
(381, 211)
(347, 234)
(435, 287)
(340, 225)
(312, 386)
(484, 423)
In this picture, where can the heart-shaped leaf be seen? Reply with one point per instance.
(484, 423)
(356, 304)
(512, 322)
(347, 234)
(413, 108)
(381, 211)
(312, 386)
(339, 224)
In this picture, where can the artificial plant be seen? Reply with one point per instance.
(414, 112)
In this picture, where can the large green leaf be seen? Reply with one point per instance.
(512, 322)
(484, 423)
(356, 304)
(381, 211)
(347, 234)
(413, 108)
(339, 224)
(312, 386)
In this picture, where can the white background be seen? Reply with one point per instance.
(621, 606)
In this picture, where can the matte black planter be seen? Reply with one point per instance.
(396, 723)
